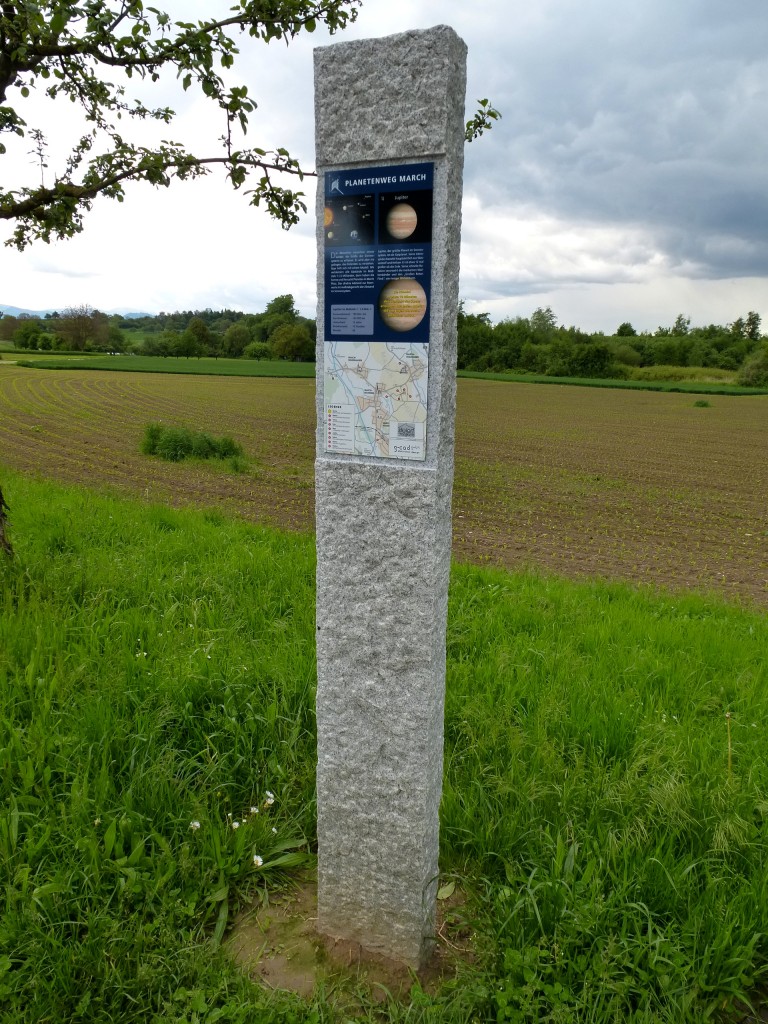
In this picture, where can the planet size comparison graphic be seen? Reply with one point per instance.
(402, 304)
(402, 221)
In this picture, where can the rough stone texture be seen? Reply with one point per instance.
(388, 99)
(384, 532)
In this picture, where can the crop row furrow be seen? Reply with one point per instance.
(635, 486)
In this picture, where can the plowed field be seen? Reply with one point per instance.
(638, 486)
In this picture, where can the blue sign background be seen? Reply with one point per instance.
(362, 255)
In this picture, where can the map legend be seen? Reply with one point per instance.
(340, 428)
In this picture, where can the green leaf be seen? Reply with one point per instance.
(40, 891)
(109, 837)
(13, 830)
(446, 890)
(137, 851)
(221, 924)
(287, 844)
(198, 1002)
(287, 860)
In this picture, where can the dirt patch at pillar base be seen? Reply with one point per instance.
(279, 947)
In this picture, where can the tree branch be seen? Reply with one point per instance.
(42, 197)
(67, 44)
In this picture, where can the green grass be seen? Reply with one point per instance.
(693, 387)
(589, 783)
(157, 669)
(154, 671)
(33, 355)
(157, 364)
(281, 368)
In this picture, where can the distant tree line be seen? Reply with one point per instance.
(280, 332)
(77, 329)
(537, 344)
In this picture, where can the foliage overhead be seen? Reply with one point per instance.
(481, 121)
(72, 49)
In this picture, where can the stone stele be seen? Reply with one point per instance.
(384, 531)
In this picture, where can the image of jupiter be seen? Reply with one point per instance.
(402, 221)
(402, 304)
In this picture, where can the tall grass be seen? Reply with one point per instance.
(591, 783)
(157, 673)
(174, 444)
(156, 670)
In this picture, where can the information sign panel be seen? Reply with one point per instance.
(378, 263)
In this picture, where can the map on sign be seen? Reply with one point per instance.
(375, 398)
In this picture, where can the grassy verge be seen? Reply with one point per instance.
(606, 819)
(693, 387)
(157, 364)
(280, 368)
(33, 354)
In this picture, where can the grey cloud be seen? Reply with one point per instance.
(651, 116)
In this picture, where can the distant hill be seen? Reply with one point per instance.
(18, 311)
(129, 314)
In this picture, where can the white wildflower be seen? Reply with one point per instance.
(257, 860)
(194, 825)
(254, 810)
(270, 799)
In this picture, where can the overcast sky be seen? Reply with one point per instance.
(627, 180)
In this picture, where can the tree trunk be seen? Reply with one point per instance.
(5, 544)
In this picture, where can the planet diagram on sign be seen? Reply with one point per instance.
(402, 221)
(402, 304)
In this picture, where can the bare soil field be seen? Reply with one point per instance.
(638, 486)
